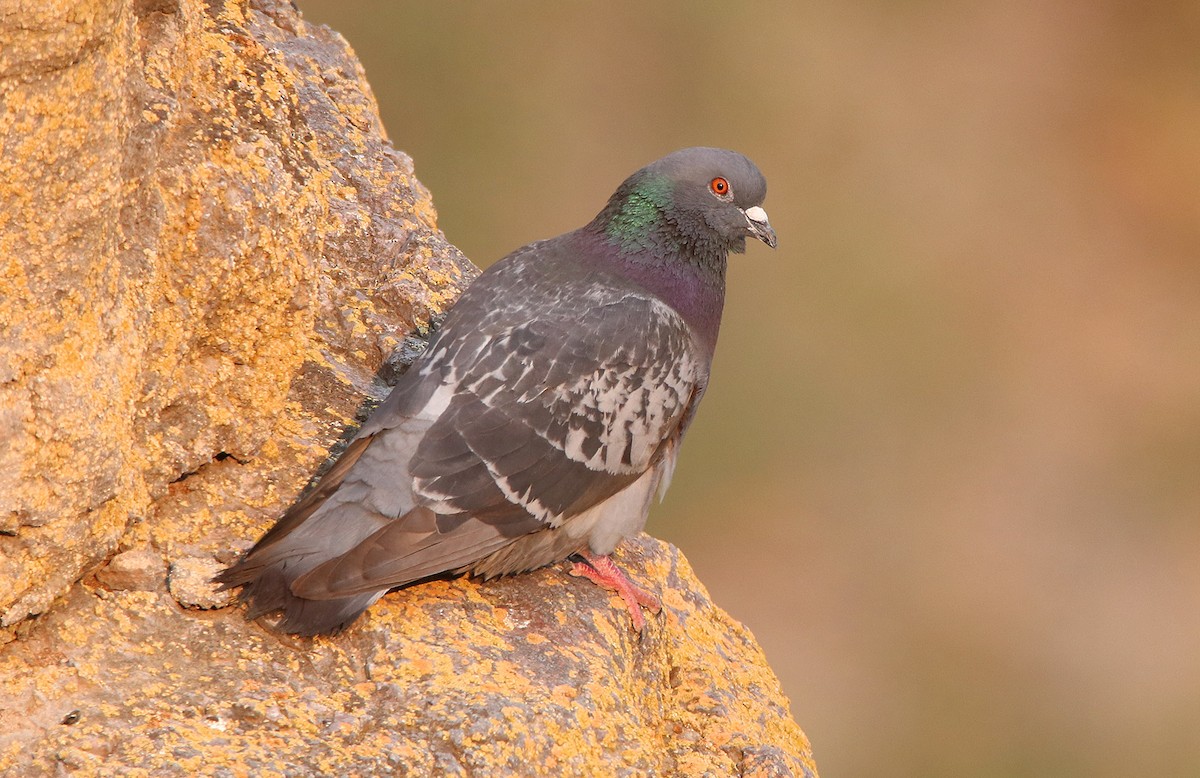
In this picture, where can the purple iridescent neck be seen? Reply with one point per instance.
(693, 286)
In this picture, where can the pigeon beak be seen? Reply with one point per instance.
(759, 226)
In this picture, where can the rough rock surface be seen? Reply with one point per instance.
(531, 675)
(208, 250)
(198, 205)
(139, 569)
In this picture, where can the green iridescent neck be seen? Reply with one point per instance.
(640, 212)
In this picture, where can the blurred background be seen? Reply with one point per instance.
(948, 470)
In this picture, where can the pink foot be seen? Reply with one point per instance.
(603, 572)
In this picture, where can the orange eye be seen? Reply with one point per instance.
(719, 186)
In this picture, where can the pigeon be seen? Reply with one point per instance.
(545, 414)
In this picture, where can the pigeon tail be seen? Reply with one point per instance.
(269, 589)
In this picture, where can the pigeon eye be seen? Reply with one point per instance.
(719, 187)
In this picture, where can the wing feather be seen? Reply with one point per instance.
(564, 416)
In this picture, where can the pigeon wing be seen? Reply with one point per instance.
(532, 420)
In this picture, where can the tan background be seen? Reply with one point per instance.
(949, 467)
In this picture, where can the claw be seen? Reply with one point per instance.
(603, 571)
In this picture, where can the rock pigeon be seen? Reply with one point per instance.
(544, 415)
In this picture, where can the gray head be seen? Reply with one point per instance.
(701, 201)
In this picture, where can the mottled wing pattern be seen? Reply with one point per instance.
(553, 415)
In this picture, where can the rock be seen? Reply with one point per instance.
(209, 252)
(537, 674)
(190, 583)
(138, 570)
(203, 231)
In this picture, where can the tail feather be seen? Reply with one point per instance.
(267, 572)
(329, 568)
(410, 549)
(268, 589)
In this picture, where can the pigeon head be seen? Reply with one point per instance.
(696, 202)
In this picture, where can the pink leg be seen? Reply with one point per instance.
(603, 572)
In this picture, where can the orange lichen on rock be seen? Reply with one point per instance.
(436, 678)
(181, 230)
